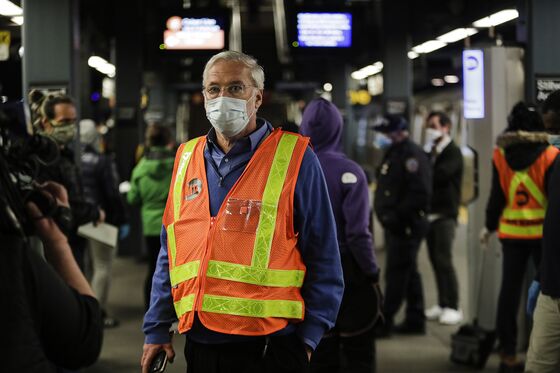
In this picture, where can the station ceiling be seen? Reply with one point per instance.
(421, 19)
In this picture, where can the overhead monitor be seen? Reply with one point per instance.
(324, 30)
(194, 33)
(473, 84)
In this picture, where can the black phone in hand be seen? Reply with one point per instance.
(159, 362)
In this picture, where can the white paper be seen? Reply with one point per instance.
(105, 233)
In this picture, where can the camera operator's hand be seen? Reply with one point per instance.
(57, 191)
(46, 228)
(102, 217)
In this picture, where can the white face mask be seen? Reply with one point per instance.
(228, 115)
(382, 141)
(430, 139)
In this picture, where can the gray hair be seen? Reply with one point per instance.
(257, 72)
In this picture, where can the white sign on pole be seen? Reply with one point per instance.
(473, 84)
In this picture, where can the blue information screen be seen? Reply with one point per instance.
(327, 30)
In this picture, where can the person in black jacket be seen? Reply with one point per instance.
(101, 187)
(402, 200)
(51, 317)
(58, 121)
(447, 161)
(516, 210)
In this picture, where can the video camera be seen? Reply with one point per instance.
(21, 156)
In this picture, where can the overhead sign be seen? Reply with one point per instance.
(194, 33)
(4, 45)
(473, 84)
(545, 86)
(324, 30)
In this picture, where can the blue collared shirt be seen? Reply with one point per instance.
(314, 221)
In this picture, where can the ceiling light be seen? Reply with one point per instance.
(327, 87)
(368, 70)
(412, 55)
(451, 79)
(437, 82)
(457, 34)
(18, 20)
(96, 61)
(9, 9)
(358, 75)
(372, 69)
(101, 65)
(497, 18)
(429, 46)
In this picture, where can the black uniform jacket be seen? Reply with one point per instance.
(404, 188)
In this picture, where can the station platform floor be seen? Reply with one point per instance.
(122, 346)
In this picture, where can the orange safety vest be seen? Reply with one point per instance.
(240, 271)
(524, 213)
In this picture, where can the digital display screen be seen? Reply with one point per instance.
(324, 30)
(473, 84)
(194, 33)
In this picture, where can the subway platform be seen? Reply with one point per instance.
(122, 346)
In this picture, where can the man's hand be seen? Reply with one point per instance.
(380, 300)
(484, 238)
(101, 217)
(56, 190)
(150, 352)
(309, 351)
(46, 228)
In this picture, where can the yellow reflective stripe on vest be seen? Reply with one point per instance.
(523, 177)
(184, 305)
(177, 191)
(252, 307)
(271, 196)
(172, 245)
(184, 272)
(254, 275)
(523, 214)
(180, 177)
(521, 231)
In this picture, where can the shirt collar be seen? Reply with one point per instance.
(250, 142)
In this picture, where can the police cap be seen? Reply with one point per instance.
(391, 123)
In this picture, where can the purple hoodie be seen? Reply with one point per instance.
(346, 181)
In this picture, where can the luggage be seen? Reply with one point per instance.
(471, 345)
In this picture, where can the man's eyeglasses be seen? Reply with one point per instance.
(236, 90)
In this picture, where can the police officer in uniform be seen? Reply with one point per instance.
(402, 199)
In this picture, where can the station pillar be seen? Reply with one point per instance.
(543, 57)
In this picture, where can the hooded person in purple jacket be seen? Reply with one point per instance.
(348, 191)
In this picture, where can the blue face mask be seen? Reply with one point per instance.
(554, 140)
(382, 141)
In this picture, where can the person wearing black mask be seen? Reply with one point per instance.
(57, 120)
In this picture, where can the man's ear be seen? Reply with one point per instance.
(259, 98)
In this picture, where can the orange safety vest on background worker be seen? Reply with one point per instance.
(525, 209)
(241, 271)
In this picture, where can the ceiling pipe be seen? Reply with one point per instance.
(279, 15)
